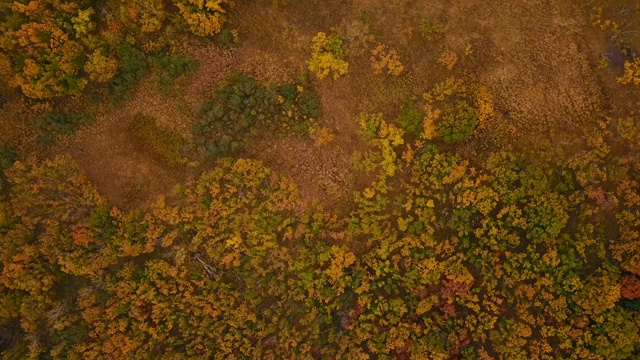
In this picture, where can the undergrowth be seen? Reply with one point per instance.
(151, 136)
(243, 108)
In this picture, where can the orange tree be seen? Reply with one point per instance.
(46, 44)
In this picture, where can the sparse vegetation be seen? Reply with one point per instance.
(448, 59)
(157, 139)
(382, 57)
(431, 30)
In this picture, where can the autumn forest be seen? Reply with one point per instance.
(320, 179)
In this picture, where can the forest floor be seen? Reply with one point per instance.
(537, 58)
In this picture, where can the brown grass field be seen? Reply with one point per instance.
(539, 60)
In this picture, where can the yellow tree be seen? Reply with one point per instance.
(205, 18)
(631, 72)
(327, 56)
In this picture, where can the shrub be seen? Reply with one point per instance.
(411, 118)
(157, 139)
(631, 72)
(449, 114)
(327, 56)
(308, 104)
(628, 128)
(382, 57)
(431, 31)
(484, 104)
(321, 135)
(243, 107)
(457, 122)
(233, 112)
(169, 68)
(448, 59)
(57, 121)
(228, 37)
(132, 67)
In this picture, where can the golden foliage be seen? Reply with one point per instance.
(452, 112)
(428, 124)
(29, 9)
(468, 50)
(485, 106)
(205, 18)
(448, 59)
(50, 68)
(149, 15)
(628, 129)
(101, 68)
(320, 135)
(449, 87)
(631, 72)
(327, 56)
(386, 138)
(382, 57)
(599, 294)
(82, 23)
